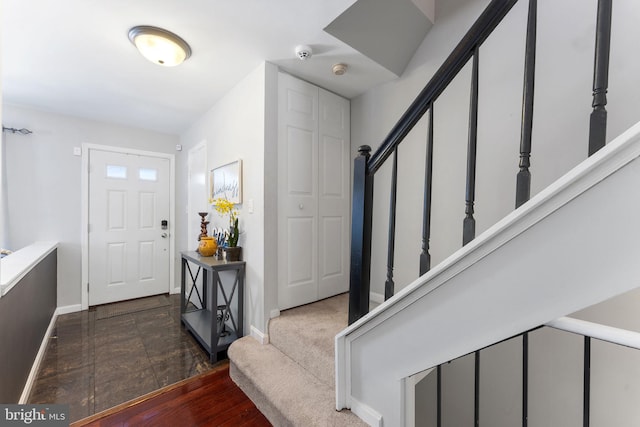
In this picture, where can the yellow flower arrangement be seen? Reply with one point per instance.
(225, 207)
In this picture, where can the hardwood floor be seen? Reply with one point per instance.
(209, 399)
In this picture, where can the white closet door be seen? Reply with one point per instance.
(297, 192)
(334, 195)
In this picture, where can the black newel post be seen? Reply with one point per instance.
(598, 119)
(361, 217)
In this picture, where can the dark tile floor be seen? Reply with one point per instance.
(94, 363)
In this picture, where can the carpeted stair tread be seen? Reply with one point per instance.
(284, 391)
(306, 334)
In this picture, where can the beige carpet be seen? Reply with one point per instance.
(307, 334)
(292, 380)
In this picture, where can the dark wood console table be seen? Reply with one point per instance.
(214, 323)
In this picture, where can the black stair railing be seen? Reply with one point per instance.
(589, 332)
(366, 165)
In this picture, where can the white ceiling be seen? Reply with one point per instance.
(74, 57)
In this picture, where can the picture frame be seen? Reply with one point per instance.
(226, 182)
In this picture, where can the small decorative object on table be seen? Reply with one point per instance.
(220, 236)
(231, 248)
(222, 316)
(208, 246)
(203, 224)
(234, 253)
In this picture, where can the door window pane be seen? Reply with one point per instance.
(116, 171)
(148, 174)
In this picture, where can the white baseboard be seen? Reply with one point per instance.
(366, 414)
(68, 309)
(260, 336)
(377, 298)
(175, 290)
(36, 363)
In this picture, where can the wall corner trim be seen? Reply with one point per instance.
(366, 414)
(259, 336)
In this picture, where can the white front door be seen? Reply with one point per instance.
(128, 248)
(313, 193)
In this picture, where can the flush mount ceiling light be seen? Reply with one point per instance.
(159, 46)
(339, 69)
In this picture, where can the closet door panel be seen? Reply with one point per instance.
(334, 195)
(297, 192)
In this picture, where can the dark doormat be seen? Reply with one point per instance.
(132, 306)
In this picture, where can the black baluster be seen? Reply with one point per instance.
(525, 379)
(361, 216)
(598, 119)
(439, 397)
(425, 256)
(469, 223)
(388, 284)
(586, 396)
(523, 182)
(476, 387)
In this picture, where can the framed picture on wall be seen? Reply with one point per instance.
(226, 182)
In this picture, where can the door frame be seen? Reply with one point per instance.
(202, 145)
(84, 223)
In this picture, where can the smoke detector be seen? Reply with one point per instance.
(339, 69)
(303, 52)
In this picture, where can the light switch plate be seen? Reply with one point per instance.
(250, 206)
(77, 151)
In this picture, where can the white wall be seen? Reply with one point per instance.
(566, 37)
(44, 178)
(237, 127)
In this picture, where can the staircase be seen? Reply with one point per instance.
(292, 379)
(570, 246)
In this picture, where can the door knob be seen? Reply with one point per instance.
(164, 235)
(300, 206)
